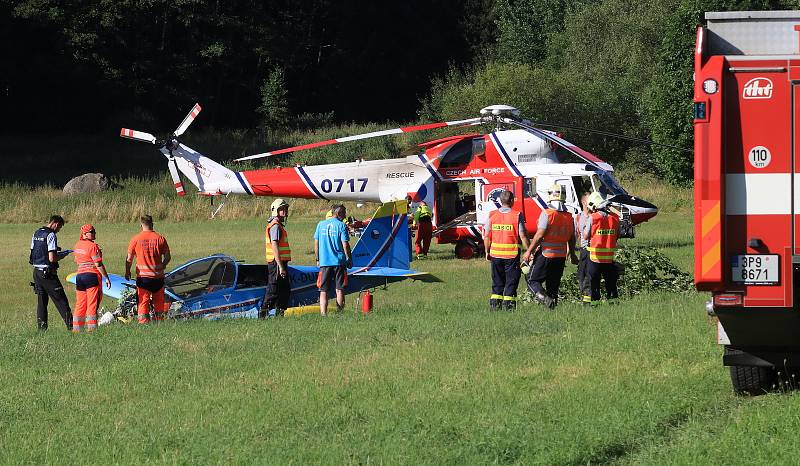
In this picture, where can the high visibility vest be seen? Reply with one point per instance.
(87, 255)
(559, 230)
(603, 239)
(284, 251)
(423, 213)
(148, 247)
(504, 234)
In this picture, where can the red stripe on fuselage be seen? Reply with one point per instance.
(278, 182)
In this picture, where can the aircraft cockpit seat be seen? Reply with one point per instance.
(221, 277)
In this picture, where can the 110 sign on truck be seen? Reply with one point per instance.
(747, 190)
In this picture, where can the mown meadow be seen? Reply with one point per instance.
(430, 377)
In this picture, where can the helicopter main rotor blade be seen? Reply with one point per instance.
(375, 134)
(606, 133)
(188, 120)
(137, 135)
(176, 177)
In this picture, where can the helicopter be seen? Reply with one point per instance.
(460, 177)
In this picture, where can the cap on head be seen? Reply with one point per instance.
(595, 200)
(557, 193)
(277, 204)
(87, 228)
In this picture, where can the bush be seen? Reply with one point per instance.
(645, 270)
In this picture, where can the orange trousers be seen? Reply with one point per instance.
(146, 299)
(86, 305)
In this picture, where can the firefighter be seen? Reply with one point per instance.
(504, 231)
(423, 224)
(601, 230)
(583, 255)
(44, 258)
(151, 251)
(555, 232)
(333, 255)
(89, 258)
(278, 256)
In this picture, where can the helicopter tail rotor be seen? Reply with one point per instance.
(167, 145)
(137, 135)
(176, 177)
(188, 120)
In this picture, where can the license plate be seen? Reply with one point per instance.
(755, 269)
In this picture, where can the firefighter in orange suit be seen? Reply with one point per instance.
(278, 256)
(152, 255)
(503, 233)
(555, 232)
(88, 294)
(601, 230)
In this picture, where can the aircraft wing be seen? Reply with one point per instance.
(118, 285)
(424, 277)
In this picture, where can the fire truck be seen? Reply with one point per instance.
(747, 191)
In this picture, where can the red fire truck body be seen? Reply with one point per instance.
(747, 189)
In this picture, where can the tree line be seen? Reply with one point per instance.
(611, 65)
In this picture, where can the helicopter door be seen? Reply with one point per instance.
(490, 199)
(571, 202)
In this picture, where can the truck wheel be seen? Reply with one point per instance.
(752, 380)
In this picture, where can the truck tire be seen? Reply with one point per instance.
(752, 380)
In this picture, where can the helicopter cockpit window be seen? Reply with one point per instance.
(458, 155)
(211, 274)
(478, 147)
(607, 185)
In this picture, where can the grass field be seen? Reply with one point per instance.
(429, 378)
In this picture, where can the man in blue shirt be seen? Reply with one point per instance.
(332, 250)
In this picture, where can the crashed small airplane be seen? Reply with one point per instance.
(218, 286)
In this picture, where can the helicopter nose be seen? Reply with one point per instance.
(641, 210)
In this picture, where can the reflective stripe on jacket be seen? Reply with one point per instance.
(603, 238)
(284, 251)
(560, 228)
(504, 234)
(87, 255)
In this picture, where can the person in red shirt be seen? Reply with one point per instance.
(151, 252)
(88, 295)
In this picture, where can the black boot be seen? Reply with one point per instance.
(545, 300)
(509, 305)
(494, 304)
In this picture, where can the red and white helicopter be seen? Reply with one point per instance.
(460, 177)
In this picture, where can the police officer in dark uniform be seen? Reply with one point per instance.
(45, 255)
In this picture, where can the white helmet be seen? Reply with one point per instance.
(277, 204)
(595, 201)
(557, 193)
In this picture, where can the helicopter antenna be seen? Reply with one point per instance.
(605, 133)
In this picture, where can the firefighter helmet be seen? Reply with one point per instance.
(557, 193)
(595, 200)
(277, 204)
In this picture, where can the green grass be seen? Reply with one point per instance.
(430, 377)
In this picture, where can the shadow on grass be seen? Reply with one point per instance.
(616, 451)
